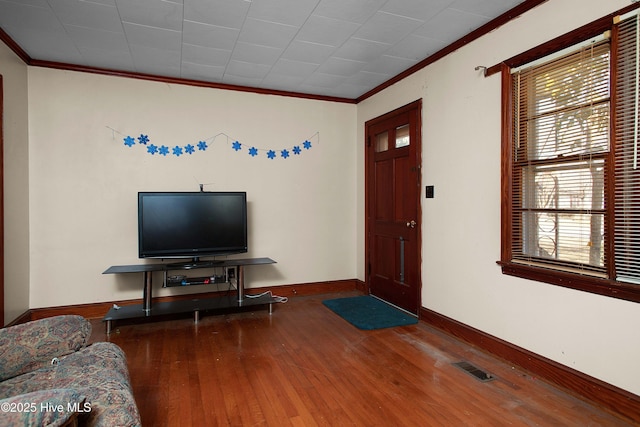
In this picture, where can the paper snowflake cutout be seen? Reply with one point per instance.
(178, 150)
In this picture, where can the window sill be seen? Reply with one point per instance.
(605, 287)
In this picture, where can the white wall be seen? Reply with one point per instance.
(84, 180)
(16, 184)
(461, 225)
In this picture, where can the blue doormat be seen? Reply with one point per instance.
(368, 313)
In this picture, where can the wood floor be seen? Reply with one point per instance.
(305, 366)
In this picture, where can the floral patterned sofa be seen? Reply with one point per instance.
(49, 375)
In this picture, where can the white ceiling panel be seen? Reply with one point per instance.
(387, 28)
(93, 38)
(191, 71)
(55, 46)
(206, 35)
(108, 59)
(266, 33)
(152, 13)
(341, 67)
(37, 3)
(335, 48)
(389, 65)
(290, 12)
(276, 81)
(158, 38)
(247, 69)
(358, 11)
(256, 54)
(87, 14)
(367, 78)
(286, 67)
(307, 52)
(152, 60)
(322, 80)
(326, 31)
(224, 13)
(451, 24)
(205, 55)
(488, 8)
(24, 18)
(415, 47)
(417, 9)
(361, 50)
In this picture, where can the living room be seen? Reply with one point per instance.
(70, 186)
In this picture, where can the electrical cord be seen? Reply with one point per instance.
(275, 297)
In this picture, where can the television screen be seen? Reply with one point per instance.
(191, 224)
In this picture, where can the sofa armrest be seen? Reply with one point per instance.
(54, 407)
(32, 345)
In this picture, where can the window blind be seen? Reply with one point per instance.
(627, 168)
(560, 146)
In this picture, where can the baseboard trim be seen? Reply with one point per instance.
(24, 317)
(98, 310)
(609, 397)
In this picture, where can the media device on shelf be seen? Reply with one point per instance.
(191, 225)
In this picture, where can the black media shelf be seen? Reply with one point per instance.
(148, 309)
(196, 306)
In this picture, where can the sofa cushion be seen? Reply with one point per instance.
(99, 372)
(33, 345)
(56, 407)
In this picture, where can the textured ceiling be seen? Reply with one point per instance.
(336, 48)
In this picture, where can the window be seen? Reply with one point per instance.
(570, 167)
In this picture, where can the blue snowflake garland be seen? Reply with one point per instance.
(203, 145)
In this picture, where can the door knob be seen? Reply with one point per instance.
(411, 224)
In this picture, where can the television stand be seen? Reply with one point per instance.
(148, 309)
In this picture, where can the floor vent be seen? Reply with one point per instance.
(477, 373)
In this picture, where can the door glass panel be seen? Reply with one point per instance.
(402, 136)
(382, 142)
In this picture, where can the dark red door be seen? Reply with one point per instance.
(393, 207)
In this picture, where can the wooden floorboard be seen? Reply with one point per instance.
(305, 366)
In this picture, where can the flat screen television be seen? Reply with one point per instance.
(191, 224)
